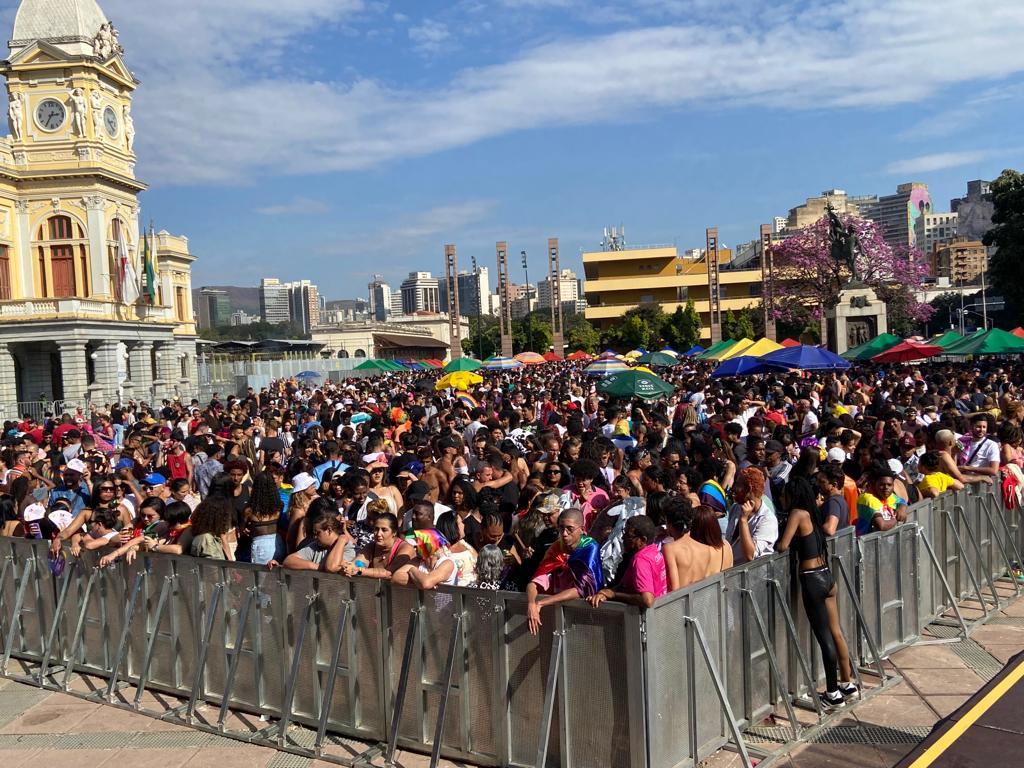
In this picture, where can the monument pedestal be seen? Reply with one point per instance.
(858, 317)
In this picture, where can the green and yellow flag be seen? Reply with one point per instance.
(148, 267)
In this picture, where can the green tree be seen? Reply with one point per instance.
(729, 325)
(681, 329)
(743, 325)
(1007, 235)
(484, 338)
(580, 334)
(532, 333)
(633, 332)
(254, 332)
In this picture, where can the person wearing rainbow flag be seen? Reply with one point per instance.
(571, 569)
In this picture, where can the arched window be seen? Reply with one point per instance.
(343, 354)
(63, 258)
(360, 353)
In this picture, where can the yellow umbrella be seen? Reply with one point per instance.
(761, 347)
(645, 369)
(633, 355)
(458, 380)
(739, 348)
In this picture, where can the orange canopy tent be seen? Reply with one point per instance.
(789, 343)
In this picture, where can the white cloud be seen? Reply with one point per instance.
(939, 161)
(300, 206)
(219, 102)
(430, 36)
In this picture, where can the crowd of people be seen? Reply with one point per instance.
(530, 482)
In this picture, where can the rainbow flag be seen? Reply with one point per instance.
(427, 542)
(467, 399)
(584, 563)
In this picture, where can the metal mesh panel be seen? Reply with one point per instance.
(37, 605)
(366, 650)
(210, 575)
(483, 612)
(910, 571)
(597, 693)
(274, 632)
(705, 607)
(737, 681)
(104, 615)
(402, 602)
(751, 688)
(668, 682)
(870, 597)
(313, 664)
(528, 658)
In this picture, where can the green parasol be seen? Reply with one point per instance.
(869, 349)
(635, 384)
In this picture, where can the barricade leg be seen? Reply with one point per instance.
(289, 689)
(204, 649)
(19, 601)
(772, 661)
(965, 560)
(865, 630)
(942, 577)
(122, 645)
(697, 634)
(794, 639)
(76, 639)
(165, 591)
(989, 505)
(403, 684)
(332, 676)
(58, 614)
(453, 646)
(986, 573)
(235, 653)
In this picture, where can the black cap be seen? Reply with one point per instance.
(417, 491)
(774, 446)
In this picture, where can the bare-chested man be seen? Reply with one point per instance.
(686, 559)
(432, 475)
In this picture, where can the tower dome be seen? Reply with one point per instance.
(71, 25)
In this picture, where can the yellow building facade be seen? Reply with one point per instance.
(620, 280)
(71, 327)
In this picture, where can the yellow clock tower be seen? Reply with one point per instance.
(79, 321)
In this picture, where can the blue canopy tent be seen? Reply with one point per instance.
(807, 358)
(694, 350)
(745, 365)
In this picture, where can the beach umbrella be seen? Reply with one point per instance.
(696, 349)
(462, 364)
(658, 360)
(579, 354)
(605, 367)
(458, 380)
(634, 354)
(807, 358)
(869, 349)
(551, 357)
(715, 349)
(744, 365)
(635, 383)
(530, 358)
(608, 355)
(670, 351)
(907, 351)
(739, 348)
(790, 343)
(948, 339)
(308, 375)
(499, 363)
(467, 400)
(991, 342)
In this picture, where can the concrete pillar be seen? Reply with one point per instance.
(24, 251)
(141, 367)
(105, 367)
(99, 269)
(188, 379)
(8, 382)
(74, 374)
(167, 367)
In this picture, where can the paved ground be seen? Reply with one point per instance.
(39, 728)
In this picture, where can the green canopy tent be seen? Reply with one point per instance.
(657, 360)
(393, 365)
(462, 364)
(948, 339)
(869, 349)
(635, 384)
(714, 349)
(991, 342)
(373, 365)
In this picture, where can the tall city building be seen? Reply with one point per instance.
(963, 261)
(74, 325)
(474, 288)
(934, 229)
(568, 288)
(897, 215)
(380, 299)
(421, 292)
(274, 306)
(975, 210)
(214, 308)
(814, 208)
(303, 304)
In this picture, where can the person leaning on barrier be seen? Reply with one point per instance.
(326, 543)
(878, 508)
(753, 528)
(698, 549)
(380, 558)
(831, 482)
(805, 532)
(645, 579)
(935, 482)
(571, 569)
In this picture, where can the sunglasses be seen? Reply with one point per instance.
(107, 488)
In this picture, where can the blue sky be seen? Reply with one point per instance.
(332, 139)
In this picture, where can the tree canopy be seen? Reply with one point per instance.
(1007, 235)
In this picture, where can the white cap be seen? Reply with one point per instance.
(34, 512)
(302, 481)
(76, 465)
(836, 454)
(896, 466)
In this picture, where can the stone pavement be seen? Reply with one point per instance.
(41, 728)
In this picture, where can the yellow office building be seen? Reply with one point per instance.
(619, 280)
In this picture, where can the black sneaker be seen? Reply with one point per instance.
(849, 690)
(830, 701)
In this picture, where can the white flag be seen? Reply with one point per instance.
(129, 277)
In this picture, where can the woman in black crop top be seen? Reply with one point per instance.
(818, 588)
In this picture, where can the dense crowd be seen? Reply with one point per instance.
(529, 482)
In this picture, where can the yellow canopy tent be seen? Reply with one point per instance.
(757, 349)
(739, 348)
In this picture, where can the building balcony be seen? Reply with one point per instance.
(606, 311)
(23, 310)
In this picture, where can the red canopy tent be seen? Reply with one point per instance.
(579, 354)
(908, 350)
(789, 343)
(551, 357)
(1018, 331)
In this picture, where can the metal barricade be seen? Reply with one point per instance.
(889, 587)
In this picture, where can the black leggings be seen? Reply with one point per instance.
(815, 587)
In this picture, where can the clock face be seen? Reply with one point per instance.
(50, 114)
(110, 121)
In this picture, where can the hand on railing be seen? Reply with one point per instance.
(272, 564)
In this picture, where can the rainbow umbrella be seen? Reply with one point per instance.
(605, 367)
(530, 358)
(467, 399)
(499, 363)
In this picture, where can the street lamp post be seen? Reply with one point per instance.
(529, 319)
(479, 310)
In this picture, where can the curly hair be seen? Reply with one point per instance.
(265, 502)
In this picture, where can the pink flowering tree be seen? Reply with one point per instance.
(807, 281)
